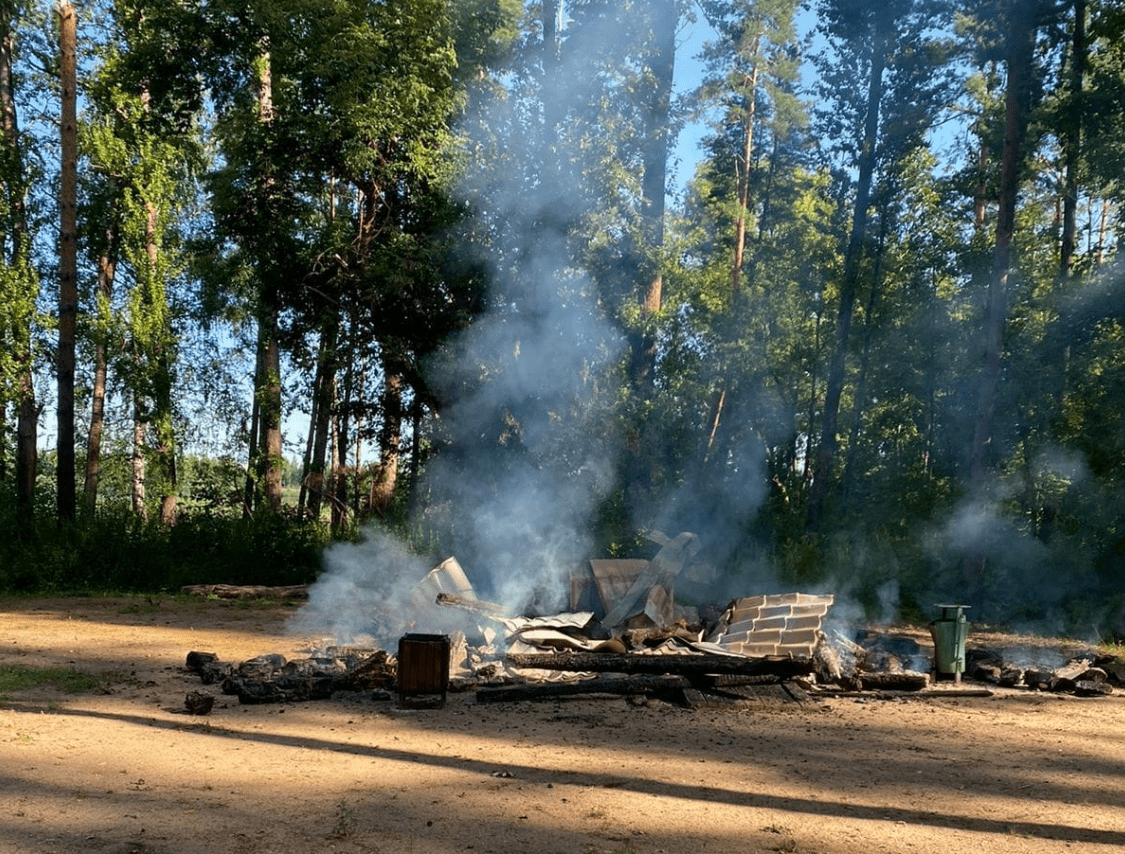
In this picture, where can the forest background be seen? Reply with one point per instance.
(301, 287)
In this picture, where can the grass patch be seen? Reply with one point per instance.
(19, 677)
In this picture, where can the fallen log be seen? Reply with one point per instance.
(238, 591)
(683, 665)
(930, 693)
(624, 685)
(902, 681)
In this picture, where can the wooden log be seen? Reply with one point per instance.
(236, 591)
(887, 681)
(684, 665)
(473, 606)
(624, 685)
(1079, 670)
(1092, 688)
(928, 694)
(731, 680)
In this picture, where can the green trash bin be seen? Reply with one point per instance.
(950, 632)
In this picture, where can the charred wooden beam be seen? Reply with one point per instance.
(474, 606)
(933, 693)
(683, 665)
(902, 681)
(617, 685)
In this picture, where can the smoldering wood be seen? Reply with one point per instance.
(238, 591)
(730, 680)
(648, 684)
(1075, 671)
(684, 665)
(273, 679)
(473, 606)
(1090, 688)
(892, 681)
(655, 635)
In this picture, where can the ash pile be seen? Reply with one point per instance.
(625, 635)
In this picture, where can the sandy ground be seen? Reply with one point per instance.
(126, 770)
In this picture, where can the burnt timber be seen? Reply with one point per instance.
(682, 665)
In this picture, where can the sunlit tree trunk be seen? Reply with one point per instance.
(68, 259)
(250, 490)
(720, 403)
(1072, 141)
(269, 392)
(107, 271)
(390, 440)
(140, 431)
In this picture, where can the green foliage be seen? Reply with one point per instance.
(115, 550)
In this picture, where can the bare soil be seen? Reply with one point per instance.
(126, 770)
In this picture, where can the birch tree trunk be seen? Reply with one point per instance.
(140, 432)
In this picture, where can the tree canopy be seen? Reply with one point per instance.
(420, 265)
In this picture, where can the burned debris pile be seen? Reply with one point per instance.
(272, 679)
(1085, 674)
(626, 635)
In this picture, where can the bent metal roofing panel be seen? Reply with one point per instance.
(781, 624)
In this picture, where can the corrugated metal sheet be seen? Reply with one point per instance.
(613, 578)
(780, 624)
(446, 577)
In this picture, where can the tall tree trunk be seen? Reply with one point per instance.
(829, 443)
(552, 108)
(27, 417)
(415, 467)
(338, 488)
(269, 412)
(720, 404)
(639, 465)
(161, 381)
(326, 394)
(1072, 141)
(390, 440)
(864, 365)
(140, 431)
(268, 391)
(68, 259)
(744, 164)
(1021, 44)
(654, 181)
(250, 490)
(341, 441)
(107, 271)
(310, 442)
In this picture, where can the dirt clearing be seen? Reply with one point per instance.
(125, 769)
